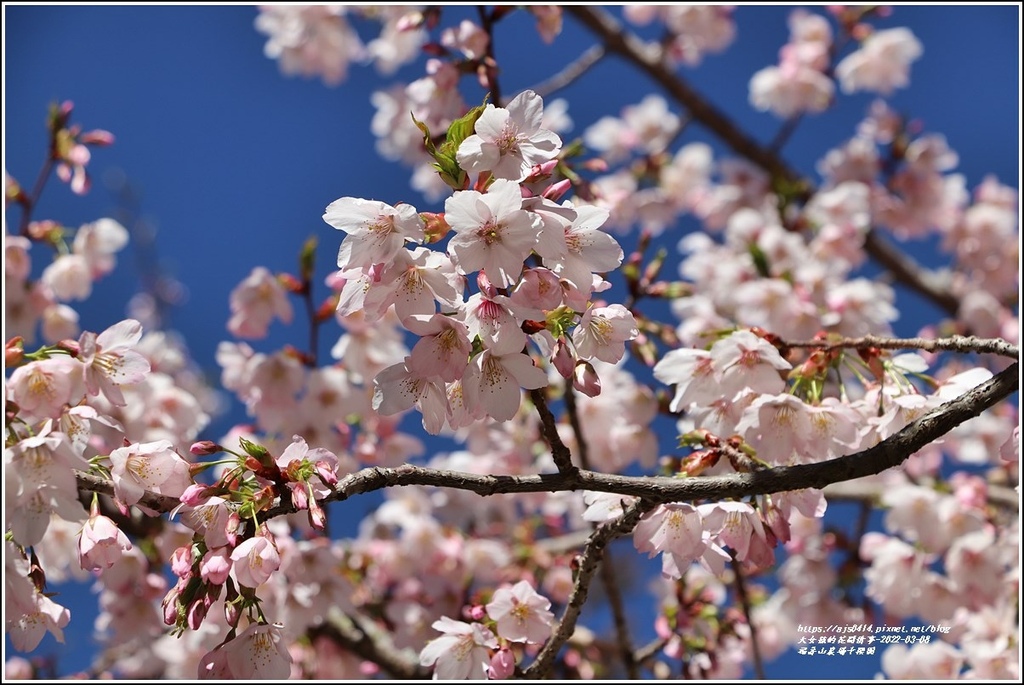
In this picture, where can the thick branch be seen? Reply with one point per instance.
(591, 557)
(889, 453)
(649, 59)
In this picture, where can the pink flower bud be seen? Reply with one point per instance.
(170, 606)
(476, 612)
(563, 358)
(101, 544)
(503, 664)
(326, 473)
(181, 562)
(585, 379)
(232, 613)
(300, 496)
(204, 448)
(195, 494)
(197, 612)
(317, 515)
(97, 137)
(555, 191)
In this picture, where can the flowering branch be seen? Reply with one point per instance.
(588, 562)
(650, 60)
(886, 454)
(956, 343)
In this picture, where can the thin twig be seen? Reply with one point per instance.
(741, 593)
(571, 72)
(956, 343)
(588, 561)
(611, 587)
(559, 452)
(644, 653)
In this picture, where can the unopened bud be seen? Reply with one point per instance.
(205, 448)
(503, 664)
(585, 379)
(14, 351)
(555, 191)
(563, 358)
(97, 137)
(435, 226)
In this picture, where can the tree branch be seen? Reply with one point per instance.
(588, 561)
(886, 454)
(571, 72)
(956, 343)
(368, 641)
(741, 592)
(610, 583)
(559, 452)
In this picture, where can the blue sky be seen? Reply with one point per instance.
(235, 163)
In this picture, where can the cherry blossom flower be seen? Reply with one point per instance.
(492, 383)
(882, 63)
(693, 374)
(110, 362)
(101, 543)
(676, 531)
(492, 231)
(443, 349)
(255, 302)
(255, 560)
(746, 361)
(509, 141)
(413, 281)
(42, 388)
(258, 652)
(589, 249)
(310, 40)
(376, 231)
(467, 38)
(461, 653)
(39, 479)
(521, 614)
(397, 389)
(69, 277)
(494, 320)
(28, 613)
(149, 466)
(98, 242)
(926, 661)
(778, 427)
(603, 331)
